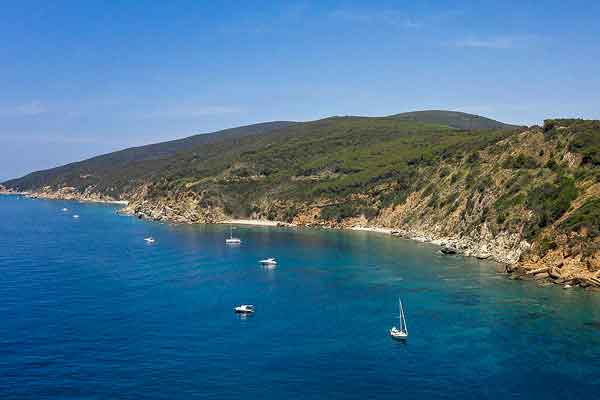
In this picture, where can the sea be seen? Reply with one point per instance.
(89, 310)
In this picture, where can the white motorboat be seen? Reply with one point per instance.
(75, 216)
(231, 239)
(65, 209)
(400, 333)
(149, 239)
(268, 261)
(244, 309)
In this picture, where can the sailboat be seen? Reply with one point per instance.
(231, 239)
(400, 333)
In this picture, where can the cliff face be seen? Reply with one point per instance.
(185, 208)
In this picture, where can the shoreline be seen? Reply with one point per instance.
(460, 246)
(254, 222)
(34, 195)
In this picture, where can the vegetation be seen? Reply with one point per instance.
(521, 161)
(456, 167)
(586, 219)
(549, 201)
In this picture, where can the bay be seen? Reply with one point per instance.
(88, 309)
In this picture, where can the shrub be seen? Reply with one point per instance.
(337, 212)
(546, 244)
(548, 202)
(587, 216)
(522, 161)
(473, 158)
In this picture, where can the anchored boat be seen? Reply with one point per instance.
(268, 261)
(231, 239)
(400, 333)
(244, 309)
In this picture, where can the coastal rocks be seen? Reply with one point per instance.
(5, 190)
(71, 193)
(446, 250)
(186, 208)
(541, 275)
(554, 273)
(573, 160)
(593, 263)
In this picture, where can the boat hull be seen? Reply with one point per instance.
(398, 335)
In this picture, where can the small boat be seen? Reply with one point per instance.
(65, 210)
(231, 239)
(76, 216)
(402, 332)
(149, 240)
(268, 261)
(244, 309)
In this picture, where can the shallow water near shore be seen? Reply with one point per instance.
(89, 310)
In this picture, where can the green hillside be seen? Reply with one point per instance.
(122, 170)
(454, 119)
(526, 195)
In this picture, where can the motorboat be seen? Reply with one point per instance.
(400, 333)
(76, 216)
(149, 239)
(268, 261)
(244, 309)
(65, 210)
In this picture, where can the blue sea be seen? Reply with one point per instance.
(89, 310)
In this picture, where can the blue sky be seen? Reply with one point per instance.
(82, 78)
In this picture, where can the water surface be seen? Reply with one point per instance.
(89, 310)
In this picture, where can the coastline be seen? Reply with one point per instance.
(70, 196)
(503, 249)
(254, 222)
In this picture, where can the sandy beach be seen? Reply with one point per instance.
(258, 222)
(371, 229)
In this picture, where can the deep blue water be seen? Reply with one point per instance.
(89, 310)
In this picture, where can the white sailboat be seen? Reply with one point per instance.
(400, 333)
(231, 239)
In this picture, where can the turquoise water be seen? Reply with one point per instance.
(89, 310)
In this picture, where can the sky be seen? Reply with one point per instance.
(82, 78)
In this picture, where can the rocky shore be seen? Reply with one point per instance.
(70, 193)
(508, 249)
(4, 190)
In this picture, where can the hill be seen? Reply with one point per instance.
(454, 119)
(119, 171)
(529, 197)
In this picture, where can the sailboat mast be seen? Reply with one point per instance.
(402, 318)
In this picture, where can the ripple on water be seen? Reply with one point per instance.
(89, 310)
